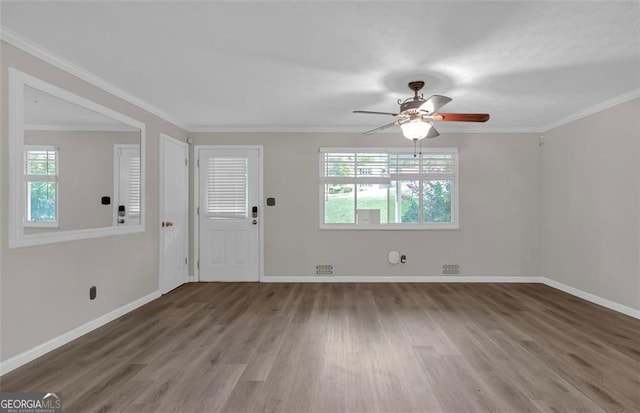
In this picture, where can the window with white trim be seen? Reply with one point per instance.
(374, 188)
(41, 184)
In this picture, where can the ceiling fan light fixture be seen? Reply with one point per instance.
(415, 129)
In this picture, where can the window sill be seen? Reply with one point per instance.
(41, 225)
(391, 227)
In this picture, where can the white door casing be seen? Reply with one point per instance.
(229, 213)
(174, 213)
(127, 188)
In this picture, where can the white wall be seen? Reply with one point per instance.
(45, 289)
(590, 180)
(499, 211)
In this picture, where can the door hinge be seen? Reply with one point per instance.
(198, 264)
(186, 261)
(198, 162)
(186, 162)
(197, 210)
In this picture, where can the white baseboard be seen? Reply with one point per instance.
(396, 279)
(29, 355)
(612, 305)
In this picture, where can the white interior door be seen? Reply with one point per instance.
(127, 185)
(229, 214)
(174, 213)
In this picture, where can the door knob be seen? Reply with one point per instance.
(169, 223)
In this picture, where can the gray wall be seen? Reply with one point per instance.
(590, 177)
(45, 289)
(499, 209)
(85, 175)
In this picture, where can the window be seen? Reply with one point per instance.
(388, 188)
(227, 195)
(41, 181)
(134, 187)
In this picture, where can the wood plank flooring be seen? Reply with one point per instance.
(350, 348)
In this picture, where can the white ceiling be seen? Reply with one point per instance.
(284, 65)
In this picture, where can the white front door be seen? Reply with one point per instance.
(127, 185)
(174, 213)
(229, 214)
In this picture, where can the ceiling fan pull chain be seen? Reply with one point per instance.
(415, 142)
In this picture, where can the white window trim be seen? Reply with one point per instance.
(455, 214)
(37, 178)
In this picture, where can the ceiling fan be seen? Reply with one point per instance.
(417, 114)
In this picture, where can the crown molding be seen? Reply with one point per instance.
(607, 104)
(46, 55)
(347, 129)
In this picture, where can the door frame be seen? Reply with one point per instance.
(196, 200)
(161, 194)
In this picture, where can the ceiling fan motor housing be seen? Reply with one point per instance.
(411, 105)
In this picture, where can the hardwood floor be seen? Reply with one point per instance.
(350, 348)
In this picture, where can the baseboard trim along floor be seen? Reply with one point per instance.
(32, 354)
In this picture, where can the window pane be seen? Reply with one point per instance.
(134, 185)
(339, 164)
(404, 164)
(373, 165)
(40, 162)
(408, 198)
(227, 187)
(339, 204)
(41, 201)
(374, 196)
(438, 164)
(437, 201)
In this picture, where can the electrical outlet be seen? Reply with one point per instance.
(450, 269)
(324, 269)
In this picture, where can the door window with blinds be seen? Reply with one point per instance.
(227, 188)
(380, 188)
(41, 181)
(128, 188)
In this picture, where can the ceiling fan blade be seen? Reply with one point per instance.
(461, 117)
(434, 103)
(375, 113)
(388, 125)
(433, 133)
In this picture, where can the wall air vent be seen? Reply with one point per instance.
(450, 269)
(324, 269)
